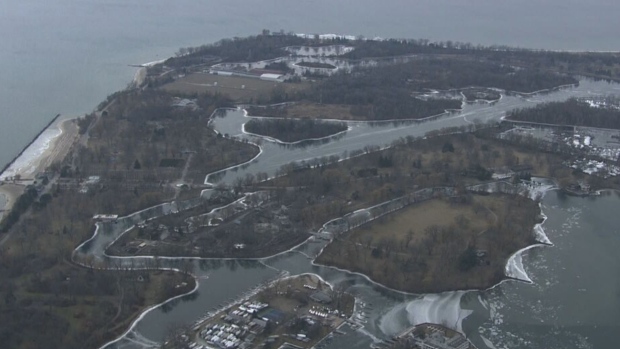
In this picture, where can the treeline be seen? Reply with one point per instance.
(399, 47)
(375, 95)
(22, 204)
(248, 49)
(292, 130)
(571, 112)
(600, 65)
(385, 91)
(262, 47)
(459, 73)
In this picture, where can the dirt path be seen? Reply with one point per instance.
(183, 175)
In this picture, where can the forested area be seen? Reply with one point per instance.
(378, 96)
(135, 147)
(292, 130)
(571, 112)
(385, 91)
(398, 47)
(247, 49)
(77, 307)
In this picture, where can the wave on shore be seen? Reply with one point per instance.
(26, 164)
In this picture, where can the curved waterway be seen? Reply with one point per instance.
(572, 302)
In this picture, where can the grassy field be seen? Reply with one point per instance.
(431, 246)
(418, 218)
(240, 89)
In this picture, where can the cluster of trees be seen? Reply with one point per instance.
(599, 65)
(22, 204)
(377, 94)
(266, 46)
(40, 289)
(385, 91)
(292, 130)
(400, 47)
(142, 128)
(281, 66)
(247, 49)
(592, 64)
(571, 112)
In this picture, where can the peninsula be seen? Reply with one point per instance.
(379, 157)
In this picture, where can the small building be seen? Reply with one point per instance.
(184, 103)
(105, 218)
(271, 77)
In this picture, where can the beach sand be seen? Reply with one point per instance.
(57, 150)
(60, 146)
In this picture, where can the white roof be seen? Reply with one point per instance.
(270, 76)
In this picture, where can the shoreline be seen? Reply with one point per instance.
(31, 161)
(56, 147)
(19, 155)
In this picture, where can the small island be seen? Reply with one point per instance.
(293, 130)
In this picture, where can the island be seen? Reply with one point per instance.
(419, 198)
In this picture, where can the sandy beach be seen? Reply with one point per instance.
(58, 148)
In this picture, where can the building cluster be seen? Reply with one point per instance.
(238, 329)
(432, 336)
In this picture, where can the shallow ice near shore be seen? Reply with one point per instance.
(444, 308)
(515, 269)
(26, 164)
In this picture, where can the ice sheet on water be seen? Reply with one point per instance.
(540, 236)
(515, 268)
(487, 342)
(27, 162)
(442, 309)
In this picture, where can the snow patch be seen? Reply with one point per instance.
(442, 309)
(26, 164)
(515, 268)
(487, 342)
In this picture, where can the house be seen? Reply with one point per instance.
(105, 218)
(271, 77)
(184, 103)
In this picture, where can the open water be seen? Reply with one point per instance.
(66, 56)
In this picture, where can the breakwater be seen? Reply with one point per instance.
(29, 144)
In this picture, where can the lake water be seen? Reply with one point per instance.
(65, 56)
